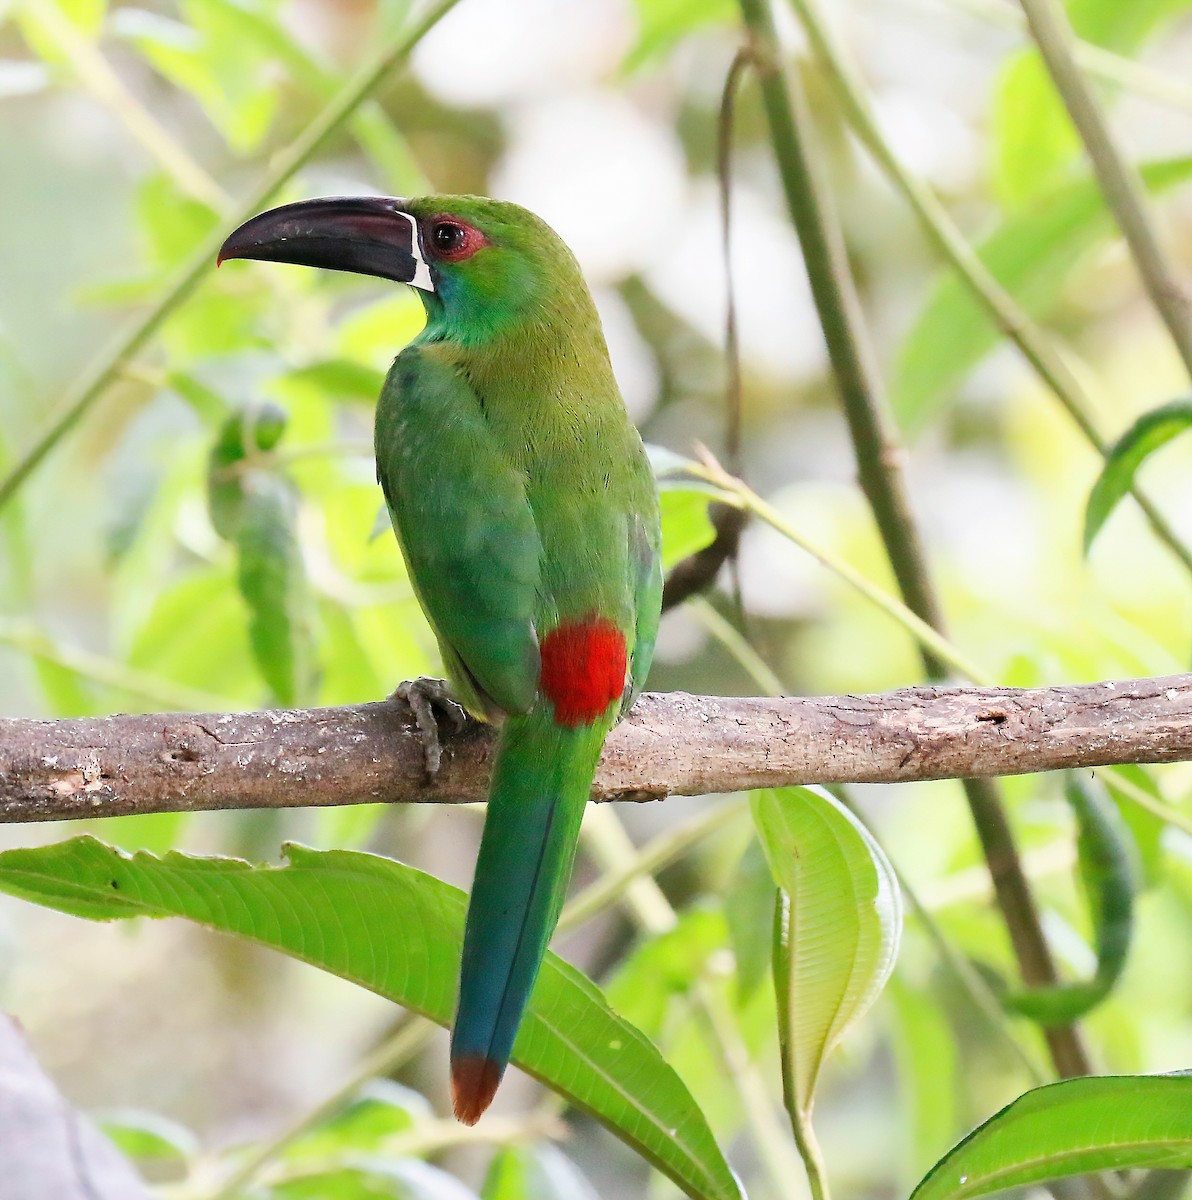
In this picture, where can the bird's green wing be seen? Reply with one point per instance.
(646, 556)
(465, 527)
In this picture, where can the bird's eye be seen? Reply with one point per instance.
(452, 241)
(447, 236)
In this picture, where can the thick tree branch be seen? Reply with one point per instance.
(52, 770)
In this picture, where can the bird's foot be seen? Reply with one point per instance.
(426, 697)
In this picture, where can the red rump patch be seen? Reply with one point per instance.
(583, 669)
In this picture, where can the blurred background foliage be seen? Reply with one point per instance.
(204, 538)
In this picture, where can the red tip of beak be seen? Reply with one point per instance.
(219, 261)
(474, 1083)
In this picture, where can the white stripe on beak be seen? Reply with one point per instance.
(422, 277)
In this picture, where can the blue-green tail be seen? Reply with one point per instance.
(541, 782)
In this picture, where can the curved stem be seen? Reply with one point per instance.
(1118, 178)
(933, 643)
(812, 1156)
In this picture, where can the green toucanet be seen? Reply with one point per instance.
(526, 511)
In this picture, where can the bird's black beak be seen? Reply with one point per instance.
(369, 235)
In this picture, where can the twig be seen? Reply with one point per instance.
(1118, 178)
(675, 744)
(724, 173)
(698, 571)
(933, 645)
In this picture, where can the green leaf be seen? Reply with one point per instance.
(662, 24)
(349, 672)
(273, 584)
(1034, 140)
(1146, 828)
(666, 966)
(252, 430)
(65, 690)
(86, 16)
(749, 909)
(398, 932)
(1098, 1123)
(392, 156)
(375, 1179)
(1151, 431)
(655, 987)
(206, 403)
(375, 332)
(925, 1052)
(539, 1172)
(683, 500)
(228, 75)
(171, 223)
(255, 510)
(256, 25)
(341, 379)
(685, 524)
(1121, 27)
(1109, 883)
(1033, 136)
(144, 1135)
(838, 934)
(1031, 254)
(194, 635)
(380, 1110)
(155, 832)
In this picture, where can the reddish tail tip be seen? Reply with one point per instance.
(474, 1082)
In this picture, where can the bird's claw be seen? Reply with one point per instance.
(426, 697)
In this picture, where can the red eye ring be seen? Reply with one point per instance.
(451, 240)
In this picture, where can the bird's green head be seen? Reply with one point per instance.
(479, 264)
